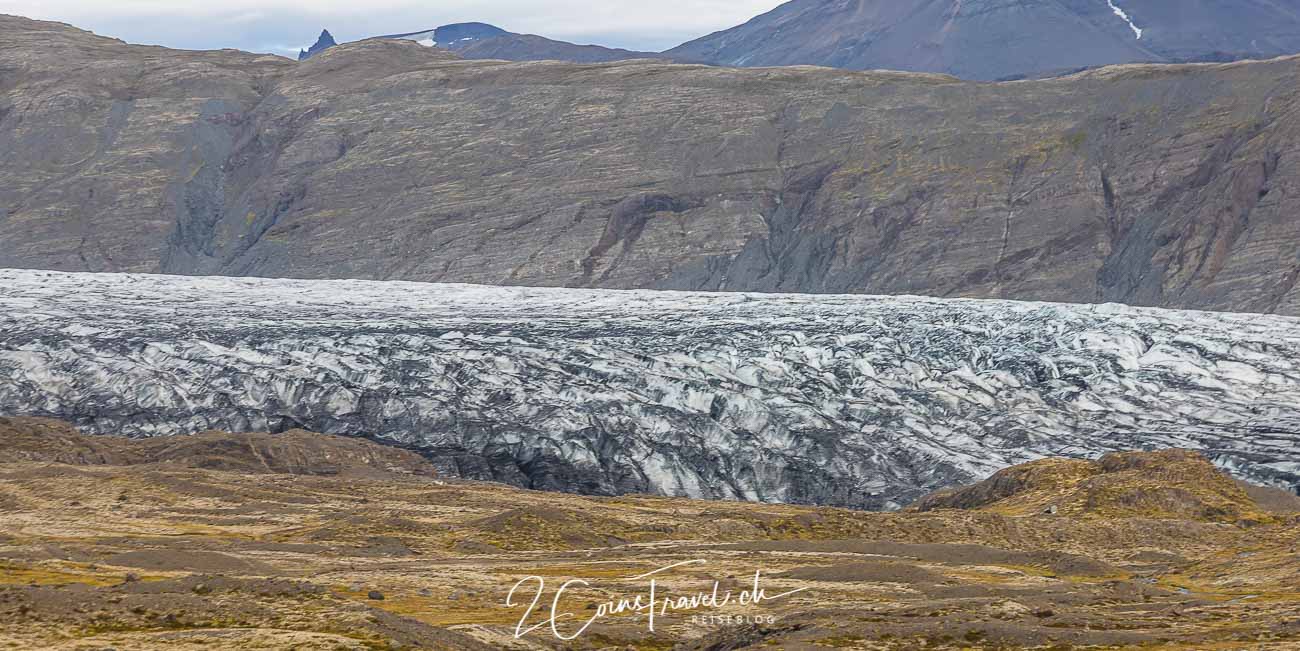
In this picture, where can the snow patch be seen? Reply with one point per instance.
(1124, 15)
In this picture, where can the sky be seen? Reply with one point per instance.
(284, 26)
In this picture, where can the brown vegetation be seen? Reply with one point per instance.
(164, 555)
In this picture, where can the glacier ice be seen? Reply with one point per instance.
(846, 400)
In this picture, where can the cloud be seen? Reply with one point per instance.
(253, 24)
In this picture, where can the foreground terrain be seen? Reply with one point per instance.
(1171, 186)
(210, 544)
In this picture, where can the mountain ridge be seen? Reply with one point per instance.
(1153, 185)
(485, 41)
(1002, 39)
(970, 39)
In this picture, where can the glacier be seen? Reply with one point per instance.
(858, 401)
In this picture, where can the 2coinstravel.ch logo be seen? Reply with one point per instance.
(653, 602)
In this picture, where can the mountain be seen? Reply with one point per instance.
(995, 39)
(1171, 186)
(483, 41)
(325, 41)
(865, 402)
(453, 37)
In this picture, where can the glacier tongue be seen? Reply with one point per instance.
(845, 400)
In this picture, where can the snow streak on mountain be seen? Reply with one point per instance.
(1125, 17)
(845, 400)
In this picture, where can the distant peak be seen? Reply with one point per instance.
(468, 31)
(473, 25)
(323, 42)
(454, 36)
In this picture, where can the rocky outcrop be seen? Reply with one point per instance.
(1172, 186)
(324, 42)
(999, 39)
(857, 401)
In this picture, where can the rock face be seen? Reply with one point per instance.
(857, 401)
(1172, 186)
(324, 42)
(997, 39)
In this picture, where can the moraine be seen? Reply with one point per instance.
(846, 400)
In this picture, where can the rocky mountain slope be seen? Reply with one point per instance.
(139, 558)
(1170, 186)
(483, 41)
(855, 401)
(996, 39)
